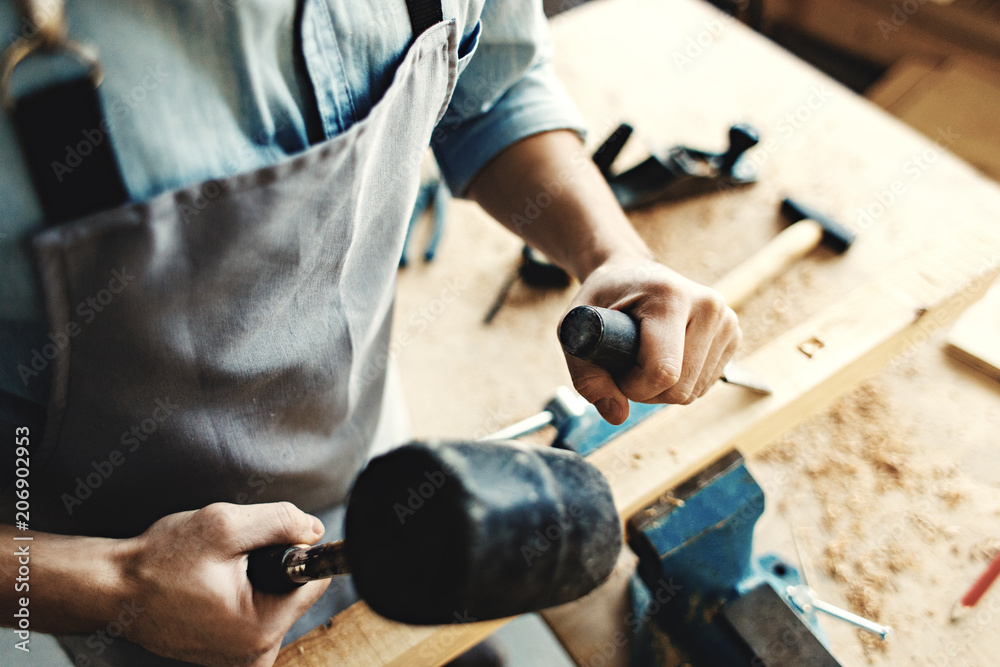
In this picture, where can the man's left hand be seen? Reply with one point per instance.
(687, 334)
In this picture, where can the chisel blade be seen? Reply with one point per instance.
(736, 374)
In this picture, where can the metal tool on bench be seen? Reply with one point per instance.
(536, 270)
(438, 532)
(564, 406)
(679, 171)
(729, 605)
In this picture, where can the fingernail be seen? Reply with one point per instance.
(318, 526)
(609, 409)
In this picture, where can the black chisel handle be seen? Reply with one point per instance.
(267, 571)
(283, 568)
(604, 337)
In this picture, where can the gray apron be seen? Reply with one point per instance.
(231, 337)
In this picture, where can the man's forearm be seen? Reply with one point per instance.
(71, 584)
(546, 189)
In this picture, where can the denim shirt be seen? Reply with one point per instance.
(201, 89)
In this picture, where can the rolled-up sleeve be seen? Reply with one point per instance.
(507, 91)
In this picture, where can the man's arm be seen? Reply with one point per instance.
(180, 589)
(687, 333)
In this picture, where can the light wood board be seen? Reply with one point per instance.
(975, 338)
(958, 97)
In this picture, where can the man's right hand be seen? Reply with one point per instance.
(188, 573)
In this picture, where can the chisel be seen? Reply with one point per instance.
(610, 339)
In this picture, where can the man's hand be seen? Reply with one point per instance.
(188, 572)
(686, 336)
(687, 333)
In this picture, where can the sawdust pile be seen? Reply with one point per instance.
(858, 460)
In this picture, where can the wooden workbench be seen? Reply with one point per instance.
(682, 73)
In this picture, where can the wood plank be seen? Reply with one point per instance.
(596, 629)
(882, 32)
(808, 367)
(361, 638)
(901, 78)
(975, 338)
(963, 98)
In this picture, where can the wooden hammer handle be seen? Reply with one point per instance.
(769, 262)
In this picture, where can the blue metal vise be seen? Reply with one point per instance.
(700, 595)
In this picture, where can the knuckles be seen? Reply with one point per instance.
(220, 519)
(292, 520)
(682, 394)
(663, 377)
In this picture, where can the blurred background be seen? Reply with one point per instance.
(931, 63)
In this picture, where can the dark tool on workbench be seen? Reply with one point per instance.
(610, 339)
(442, 531)
(535, 270)
(679, 171)
(433, 194)
(808, 230)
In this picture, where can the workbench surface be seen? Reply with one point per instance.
(894, 493)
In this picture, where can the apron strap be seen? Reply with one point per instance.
(61, 126)
(423, 14)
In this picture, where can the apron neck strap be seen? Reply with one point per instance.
(61, 126)
(423, 14)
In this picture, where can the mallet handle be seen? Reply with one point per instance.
(796, 241)
(281, 569)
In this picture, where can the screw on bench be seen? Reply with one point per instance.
(804, 599)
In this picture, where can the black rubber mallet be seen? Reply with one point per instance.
(439, 532)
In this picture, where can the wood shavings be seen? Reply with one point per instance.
(984, 550)
(879, 502)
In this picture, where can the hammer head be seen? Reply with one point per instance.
(439, 532)
(836, 236)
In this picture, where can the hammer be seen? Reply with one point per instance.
(610, 338)
(809, 229)
(442, 531)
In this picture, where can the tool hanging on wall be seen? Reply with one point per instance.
(677, 172)
(536, 271)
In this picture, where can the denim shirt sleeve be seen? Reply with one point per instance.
(507, 91)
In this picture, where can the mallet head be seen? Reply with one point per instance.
(439, 532)
(836, 236)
